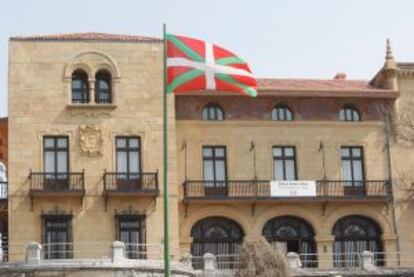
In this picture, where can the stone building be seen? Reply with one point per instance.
(308, 164)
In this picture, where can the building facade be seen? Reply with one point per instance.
(85, 158)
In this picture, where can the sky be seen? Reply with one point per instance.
(279, 39)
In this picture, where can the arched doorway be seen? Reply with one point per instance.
(217, 235)
(292, 234)
(353, 235)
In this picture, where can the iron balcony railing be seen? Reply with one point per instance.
(3, 190)
(260, 189)
(57, 182)
(145, 182)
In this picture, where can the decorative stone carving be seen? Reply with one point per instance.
(91, 139)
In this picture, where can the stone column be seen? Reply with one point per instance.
(324, 248)
(91, 91)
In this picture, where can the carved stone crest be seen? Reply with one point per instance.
(91, 139)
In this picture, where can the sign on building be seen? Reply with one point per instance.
(292, 188)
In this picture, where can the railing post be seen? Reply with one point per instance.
(368, 261)
(33, 253)
(118, 251)
(293, 260)
(210, 264)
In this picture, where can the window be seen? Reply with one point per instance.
(56, 161)
(213, 112)
(349, 113)
(128, 162)
(131, 231)
(57, 240)
(3, 174)
(219, 236)
(353, 168)
(282, 113)
(215, 170)
(80, 87)
(284, 163)
(292, 234)
(353, 235)
(103, 89)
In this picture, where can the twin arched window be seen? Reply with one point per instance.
(80, 87)
(281, 112)
(213, 112)
(349, 113)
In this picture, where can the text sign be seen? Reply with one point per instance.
(292, 188)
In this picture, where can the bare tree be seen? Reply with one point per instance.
(260, 259)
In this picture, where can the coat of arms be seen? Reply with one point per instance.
(91, 139)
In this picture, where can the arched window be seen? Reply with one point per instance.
(292, 234)
(219, 236)
(103, 87)
(349, 113)
(353, 235)
(282, 113)
(80, 87)
(213, 112)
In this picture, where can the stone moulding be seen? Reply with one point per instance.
(91, 139)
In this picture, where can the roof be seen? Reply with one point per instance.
(315, 85)
(88, 36)
(405, 66)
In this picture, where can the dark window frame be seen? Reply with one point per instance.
(67, 245)
(141, 219)
(104, 76)
(349, 113)
(213, 158)
(83, 92)
(128, 150)
(217, 111)
(352, 159)
(285, 158)
(55, 149)
(285, 111)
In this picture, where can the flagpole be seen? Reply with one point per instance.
(167, 270)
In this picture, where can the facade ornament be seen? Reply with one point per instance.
(91, 139)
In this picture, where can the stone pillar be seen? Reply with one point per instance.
(389, 242)
(210, 264)
(33, 253)
(324, 246)
(185, 245)
(294, 260)
(118, 251)
(91, 91)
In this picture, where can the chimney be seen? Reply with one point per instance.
(340, 76)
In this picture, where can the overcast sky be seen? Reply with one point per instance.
(289, 39)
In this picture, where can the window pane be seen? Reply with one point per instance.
(281, 114)
(49, 161)
(278, 170)
(62, 157)
(342, 115)
(219, 114)
(289, 152)
(274, 114)
(345, 152)
(219, 152)
(121, 161)
(207, 152)
(358, 176)
(346, 171)
(133, 162)
(208, 171)
(289, 115)
(220, 171)
(49, 142)
(356, 152)
(356, 115)
(205, 113)
(212, 113)
(348, 114)
(62, 142)
(133, 143)
(290, 170)
(277, 151)
(120, 142)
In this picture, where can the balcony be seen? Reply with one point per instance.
(255, 190)
(130, 185)
(45, 184)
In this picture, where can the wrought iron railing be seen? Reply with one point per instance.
(131, 182)
(56, 182)
(3, 190)
(260, 189)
